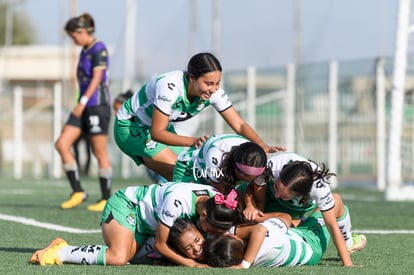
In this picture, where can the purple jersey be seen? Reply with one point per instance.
(96, 56)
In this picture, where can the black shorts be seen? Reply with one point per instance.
(94, 121)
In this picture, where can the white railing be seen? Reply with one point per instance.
(321, 117)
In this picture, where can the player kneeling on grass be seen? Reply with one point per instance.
(136, 213)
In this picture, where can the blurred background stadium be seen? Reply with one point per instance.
(332, 111)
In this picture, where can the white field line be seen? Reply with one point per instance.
(359, 198)
(49, 226)
(384, 232)
(60, 228)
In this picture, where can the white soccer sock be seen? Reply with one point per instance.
(345, 226)
(86, 254)
(72, 166)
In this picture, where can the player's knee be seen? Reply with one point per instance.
(100, 154)
(116, 258)
(59, 145)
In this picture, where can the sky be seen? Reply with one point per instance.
(261, 33)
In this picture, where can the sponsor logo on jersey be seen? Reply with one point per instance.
(168, 214)
(276, 223)
(163, 98)
(201, 192)
(327, 199)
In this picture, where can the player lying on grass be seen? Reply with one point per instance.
(270, 244)
(267, 244)
(135, 213)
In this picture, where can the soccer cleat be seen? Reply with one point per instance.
(98, 206)
(49, 255)
(75, 199)
(359, 242)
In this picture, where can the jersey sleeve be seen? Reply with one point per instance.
(276, 230)
(220, 101)
(100, 59)
(171, 209)
(322, 195)
(166, 94)
(277, 161)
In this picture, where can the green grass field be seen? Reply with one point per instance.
(29, 208)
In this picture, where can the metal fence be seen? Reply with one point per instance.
(326, 112)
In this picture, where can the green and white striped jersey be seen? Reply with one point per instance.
(304, 245)
(165, 203)
(168, 93)
(204, 162)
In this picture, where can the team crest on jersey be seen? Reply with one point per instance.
(200, 192)
(200, 105)
(131, 219)
(150, 144)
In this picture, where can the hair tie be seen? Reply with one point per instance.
(229, 202)
(250, 170)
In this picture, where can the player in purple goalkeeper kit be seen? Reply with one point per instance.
(91, 115)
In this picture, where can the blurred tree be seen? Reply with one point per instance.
(22, 32)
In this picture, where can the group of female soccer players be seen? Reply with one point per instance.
(221, 191)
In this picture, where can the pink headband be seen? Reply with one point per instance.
(250, 170)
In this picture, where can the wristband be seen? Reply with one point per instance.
(245, 264)
(83, 100)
